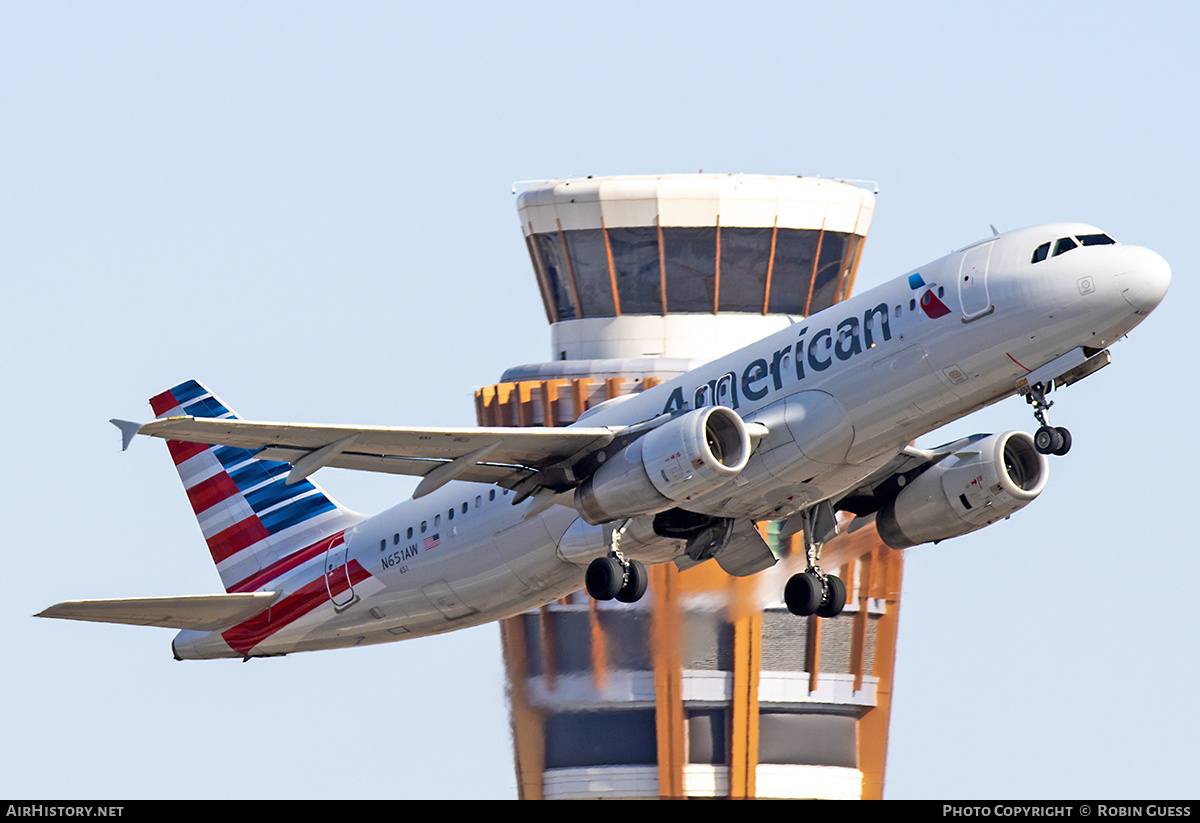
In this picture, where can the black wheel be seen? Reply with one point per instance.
(835, 597)
(803, 594)
(1065, 444)
(604, 578)
(635, 587)
(1047, 439)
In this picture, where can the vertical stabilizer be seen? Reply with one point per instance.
(252, 519)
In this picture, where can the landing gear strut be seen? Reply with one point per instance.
(1047, 439)
(812, 591)
(616, 577)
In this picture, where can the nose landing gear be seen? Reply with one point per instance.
(1047, 439)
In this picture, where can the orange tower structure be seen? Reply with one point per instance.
(707, 687)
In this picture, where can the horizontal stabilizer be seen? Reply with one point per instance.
(201, 612)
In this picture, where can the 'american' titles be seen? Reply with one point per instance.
(817, 353)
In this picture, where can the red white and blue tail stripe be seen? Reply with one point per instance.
(250, 517)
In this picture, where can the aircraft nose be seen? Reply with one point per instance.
(1143, 278)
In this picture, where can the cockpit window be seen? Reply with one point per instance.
(1064, 244)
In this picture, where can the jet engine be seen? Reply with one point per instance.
(974, 487)
(684, 457)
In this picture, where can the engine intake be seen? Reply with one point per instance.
(684, 457)
(981, 483)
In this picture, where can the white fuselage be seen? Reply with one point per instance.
(867, 376)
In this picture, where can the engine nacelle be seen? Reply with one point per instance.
(684, 457)
(981, 483)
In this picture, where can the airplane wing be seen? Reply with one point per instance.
(202, 612)
(522, 459)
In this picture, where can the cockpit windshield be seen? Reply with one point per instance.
(1065, 244)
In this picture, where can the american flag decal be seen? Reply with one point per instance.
(432, 542)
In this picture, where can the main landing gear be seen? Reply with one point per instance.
(616, 578)
(1047, 439)
(812, 591)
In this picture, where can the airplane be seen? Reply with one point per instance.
(811, 426)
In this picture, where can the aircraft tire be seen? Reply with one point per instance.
(604, 578)
(835, 599)
(639, 579)
(1065, 445)
(802, 594)
(1047, 440)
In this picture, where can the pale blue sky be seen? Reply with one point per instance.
(307, 206)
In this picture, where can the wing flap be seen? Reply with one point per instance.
(202, 612)
(746, 553)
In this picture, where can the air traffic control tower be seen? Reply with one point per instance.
(708, 686)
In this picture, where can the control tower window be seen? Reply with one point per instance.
(827, 282)
(792, 737)
(621, 737)
(795, 252)
(745, 259)
(558, 276)
(707, 736)
(636, 267)
(690, 263)
(589, 272)
(652, 270)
